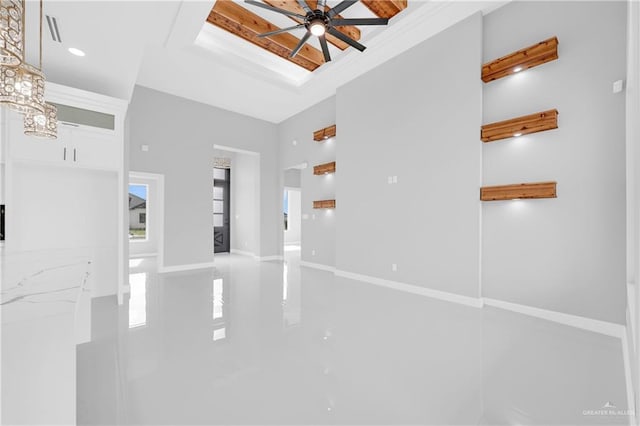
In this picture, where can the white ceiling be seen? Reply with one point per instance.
(167, 46)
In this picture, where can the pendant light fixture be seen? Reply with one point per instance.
(11, 32)
(42, 124)
(22, 87)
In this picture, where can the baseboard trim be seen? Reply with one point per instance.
(242, 252)
(597, 326)
(320, 266)
(138, 256)
(627, 355)
(414, 289)
(188, 267)
(268, 258)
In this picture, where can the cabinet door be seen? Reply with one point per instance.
(95, 149)
(23, 147)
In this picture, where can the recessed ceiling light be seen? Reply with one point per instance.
(76, 52)
(517, 69)
(515, 135)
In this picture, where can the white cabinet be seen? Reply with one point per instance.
(95, 149)
(42, 178)
(76, 146)
(23, 147)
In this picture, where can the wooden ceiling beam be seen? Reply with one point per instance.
(293, 6)
(385, 8)
(241, 22)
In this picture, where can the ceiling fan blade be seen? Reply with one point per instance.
(340, 7)
(274, 9)
(281, 30)
(345, 38)
(325, 48)
(303, 40)
(305, 6)
(359, 21)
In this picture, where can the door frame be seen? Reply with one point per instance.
(226, 221)
(159, 214)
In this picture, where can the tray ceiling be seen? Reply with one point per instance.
(247, 22)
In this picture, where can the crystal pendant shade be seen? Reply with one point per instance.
(11, 32)
(42, 125)
(22, 88)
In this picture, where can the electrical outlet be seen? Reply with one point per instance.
(390, 180)
(394, 267)
(395, 179)
(144, 148)
(313, 252)
(313, 217)
(295, 142)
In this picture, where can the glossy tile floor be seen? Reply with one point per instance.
(276, 343)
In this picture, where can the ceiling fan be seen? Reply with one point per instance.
(320, 22)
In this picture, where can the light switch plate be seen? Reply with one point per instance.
(618, 86)
(144, 148)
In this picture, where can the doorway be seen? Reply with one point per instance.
(292, 214)
(221, 210)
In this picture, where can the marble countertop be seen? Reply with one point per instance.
(39, 284)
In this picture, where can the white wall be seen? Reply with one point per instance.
(292, 178)
(565, 254)
(245, 202)
(416, 117)
(181, 135)
(318, 225)
(633, 184)
(294, 220)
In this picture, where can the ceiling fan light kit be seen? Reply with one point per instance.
(320, 22)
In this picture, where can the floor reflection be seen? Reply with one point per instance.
(138, 300)
(311, 348)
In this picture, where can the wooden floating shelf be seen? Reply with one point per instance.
(324, 204)
(521, 190)
(323, 134)
(523, 59)
(325, 169)
(533, 123)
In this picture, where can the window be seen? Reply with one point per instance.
(138, 212)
